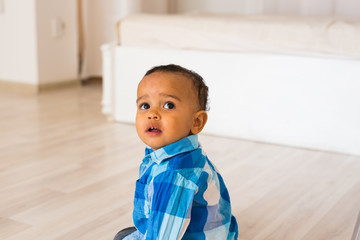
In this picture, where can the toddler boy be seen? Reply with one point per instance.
(179, 194)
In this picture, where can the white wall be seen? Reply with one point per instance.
(18, 52)
(57, 56)
(346, 8)
(155, 6)
(100, 17)
(28, 52)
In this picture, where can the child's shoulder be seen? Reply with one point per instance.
(188, 160)
(186, 166)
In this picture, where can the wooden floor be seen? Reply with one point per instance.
(67, 173)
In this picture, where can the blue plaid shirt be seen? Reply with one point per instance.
(180, 195)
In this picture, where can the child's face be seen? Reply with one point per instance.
(166, 108)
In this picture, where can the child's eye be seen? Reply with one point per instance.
(144, 106)
(169, 105)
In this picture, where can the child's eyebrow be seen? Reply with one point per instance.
(139, 98)
(171, 96)
(161, 94)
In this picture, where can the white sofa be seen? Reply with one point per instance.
(290, 88)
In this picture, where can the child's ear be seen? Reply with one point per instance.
(199, 122)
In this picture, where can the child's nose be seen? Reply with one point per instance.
(154, 115)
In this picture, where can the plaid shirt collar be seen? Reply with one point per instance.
(183, 145)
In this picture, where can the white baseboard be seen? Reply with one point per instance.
(36, 88)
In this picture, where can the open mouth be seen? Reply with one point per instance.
(153, 130)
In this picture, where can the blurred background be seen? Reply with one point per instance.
(45, 42)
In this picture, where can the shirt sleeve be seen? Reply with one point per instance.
(171, 200)
(134, 236)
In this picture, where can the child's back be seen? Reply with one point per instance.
(185, 194)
